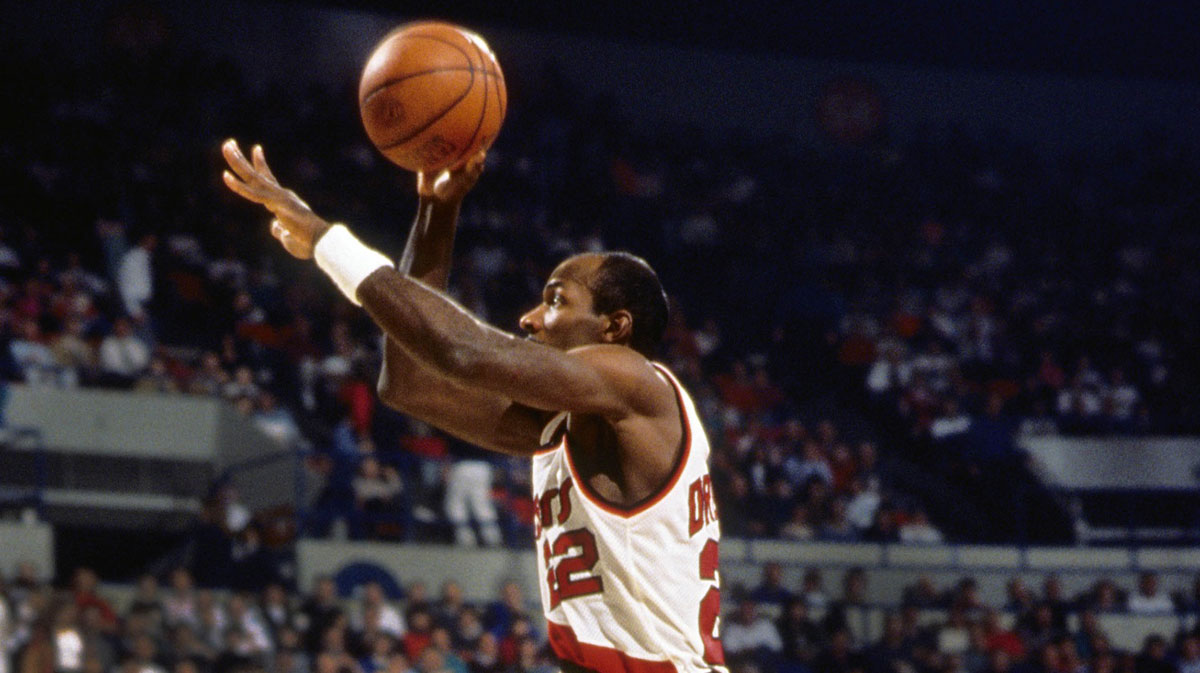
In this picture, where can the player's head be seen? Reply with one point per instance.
(611, 297)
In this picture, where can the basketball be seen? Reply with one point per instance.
(431, 96)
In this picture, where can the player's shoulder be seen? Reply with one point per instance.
(629, 371)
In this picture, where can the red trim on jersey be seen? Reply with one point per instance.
(597, 657)
(649, 501)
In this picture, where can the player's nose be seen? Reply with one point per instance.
(531, 322)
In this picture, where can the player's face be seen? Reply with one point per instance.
(565, 318)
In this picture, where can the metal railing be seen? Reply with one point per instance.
(27, 440)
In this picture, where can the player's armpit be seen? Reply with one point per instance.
(476, 416)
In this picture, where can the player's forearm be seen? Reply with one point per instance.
(429, 326)
(427, 257)
(428, 252)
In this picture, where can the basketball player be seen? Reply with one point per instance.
(626, 529)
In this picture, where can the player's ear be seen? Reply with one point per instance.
(618, 327)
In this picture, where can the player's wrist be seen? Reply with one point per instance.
(346, 260)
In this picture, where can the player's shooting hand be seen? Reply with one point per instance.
(295, 225)
(452, 184)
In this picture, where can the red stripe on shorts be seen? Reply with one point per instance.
(597, 657)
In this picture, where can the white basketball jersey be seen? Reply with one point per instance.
(629, 590)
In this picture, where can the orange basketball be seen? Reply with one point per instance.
(431, 96)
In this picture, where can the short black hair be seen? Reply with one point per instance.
(626, 281)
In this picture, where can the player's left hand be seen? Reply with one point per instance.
(452, 184)
(295, 225)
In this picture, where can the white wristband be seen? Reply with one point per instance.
(346, 260)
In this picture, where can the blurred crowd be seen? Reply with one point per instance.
(179, 628)
(830, 305)
(952, 630)
(374, 627)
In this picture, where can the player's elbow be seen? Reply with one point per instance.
(392, 392)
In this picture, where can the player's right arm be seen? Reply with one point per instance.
(410, 386)
(478, 416)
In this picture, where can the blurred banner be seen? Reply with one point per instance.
(1075, 463)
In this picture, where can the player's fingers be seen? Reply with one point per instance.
(260, 163)
(237, 161)
(242, 189)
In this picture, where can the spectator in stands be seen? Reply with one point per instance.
(84, 584)
(148, 601)
(334, 655)
(377, 491)
(1000, 639)
(1104, 596)
(442, 642)
(449, 606)
(468, 631)
(1153, 656)
(379, 651)
(290, 656)
(486, 656)
(813, 465)
(1052, 595)
(75, 357)
(883, 529)
(917, 529)
(812, 589)
(1188, 660)
(180, 602)
(321, 610)
(135, 278)
(144, 656)
(1019, 597)
(771, 589)
(276, 421)
(387, 617)
(1037, 628)
(123, 356)
(98, 639)
(244, 617)
(469, 498)
(889, 373)
(866, 497)
(213, 622)
(242, 385)
(797, 528)
(419, 634)
(1188, 600)
(1088, 634)
(837, 527)
(839, 655)
(750, 636)
(276, 607)
(156, 378)
(801, 637)
(34, 359)
(211, 379)
(519, 631)
(892, 652)
(922, 594)
(1149, 599)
